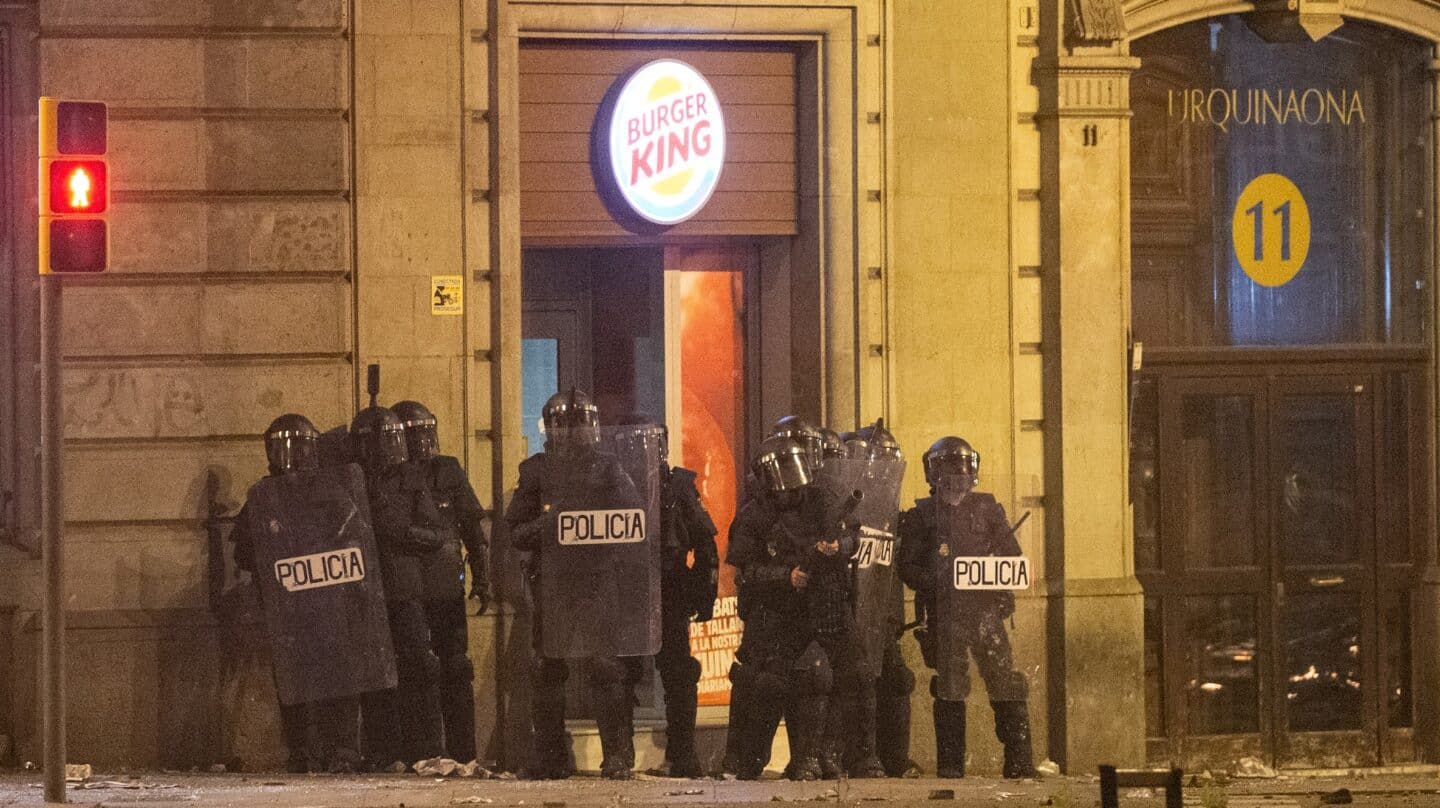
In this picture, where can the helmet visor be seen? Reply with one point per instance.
(421, 439)
(290, 451)
(783, 470)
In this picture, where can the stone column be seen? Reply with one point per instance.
(1095, 615)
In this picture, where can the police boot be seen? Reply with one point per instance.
(949, 738)
(812, 756)
(865, 763)
(457, 706)
(892, 721)
(1012, 728)
(742, 716)
(294, 728)
(680, 734)
(550, 755)
(614, 716)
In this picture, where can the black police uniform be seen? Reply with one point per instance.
(444, 579)
(405, 724)
(981, 529)
(335, 743)
(771, 664)
(686, 591)
(530, 520)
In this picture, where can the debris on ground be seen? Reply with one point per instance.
(471, 801)
(689, 792)
(1340, 796)
(77, 772)
(1048, 766)
(129, 784)
(436, 766)
(1140, 794)
(943, 794)
(827, 794)
(396, 768)
(218, 768)
(1253, 767)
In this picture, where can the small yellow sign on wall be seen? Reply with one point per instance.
(1270, 228)
(447, 294)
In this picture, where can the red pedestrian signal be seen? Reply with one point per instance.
(78, 186)
(74, 186)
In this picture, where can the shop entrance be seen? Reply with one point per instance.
(1280, 283)
(659, 331)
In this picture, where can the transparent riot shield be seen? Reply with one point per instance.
(879, 593)
(599, 588)
(954, 607)
(319, 578)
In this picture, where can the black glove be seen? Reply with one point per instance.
(479, 585)
(927, 646)
(704, 587)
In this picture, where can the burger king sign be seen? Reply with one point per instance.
(666, 141)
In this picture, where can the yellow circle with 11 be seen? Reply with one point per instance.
(1270, 229)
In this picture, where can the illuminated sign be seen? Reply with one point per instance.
(666, 140)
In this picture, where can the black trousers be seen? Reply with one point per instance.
(450, 642)
(403, 724)
(319, 735)
(679, 674)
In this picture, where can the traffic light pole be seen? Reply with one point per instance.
(52, 520)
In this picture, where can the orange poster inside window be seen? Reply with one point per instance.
(712, 390)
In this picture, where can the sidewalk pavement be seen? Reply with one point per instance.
(1417, 787)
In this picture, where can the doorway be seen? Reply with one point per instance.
(1275, 523)
(665, 331)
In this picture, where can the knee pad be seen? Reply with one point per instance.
(458, 669)
(604, 671)
(683, 672)
(769, 685)
(812, 675)
(1009, 686)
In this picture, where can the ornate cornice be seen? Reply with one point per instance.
(1088, 86)
(1094, 22)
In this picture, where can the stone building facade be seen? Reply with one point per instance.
(290, 175)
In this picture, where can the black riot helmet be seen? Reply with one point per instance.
(639, 428)
(781, 465)
(379, 438)
(572, 422)
(951, 455)
(811, 442)
(830, 445)
(421, 438)
(882, 443)
(290, 444)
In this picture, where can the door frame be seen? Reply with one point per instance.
(1269, 372)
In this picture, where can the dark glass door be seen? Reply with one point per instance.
(1274, 532)
(1321, 500)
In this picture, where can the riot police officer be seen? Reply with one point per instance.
(956, 520)
(571, 473)
(771, 542)
(402, 725)
(895, 681)
(687, 591)
(444, 574)
(291, 455)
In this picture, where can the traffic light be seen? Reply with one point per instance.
(74, 186)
